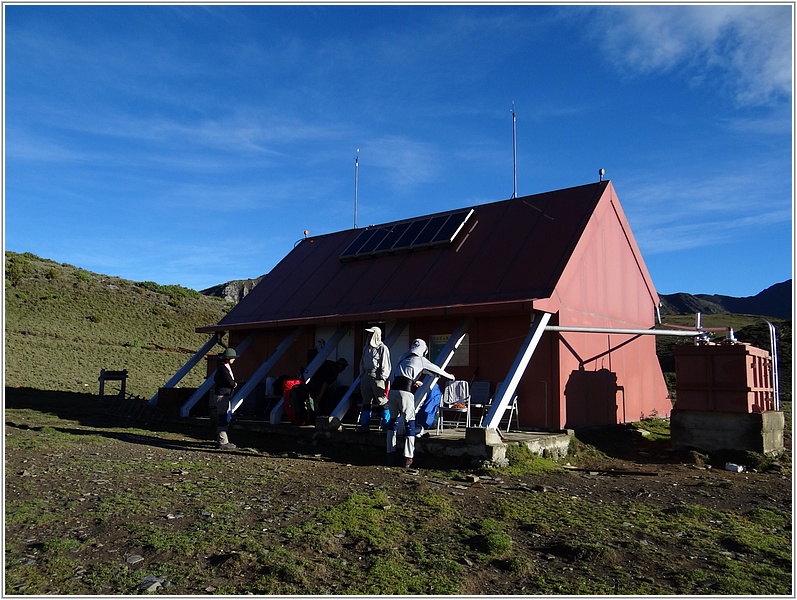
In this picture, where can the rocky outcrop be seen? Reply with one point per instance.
(233, 291)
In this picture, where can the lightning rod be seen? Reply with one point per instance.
(514, 149)
(356, 182)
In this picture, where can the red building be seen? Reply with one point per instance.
(504, 280)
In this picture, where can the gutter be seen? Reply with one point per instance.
(564, 328)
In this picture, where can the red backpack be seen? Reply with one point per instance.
(287, 386)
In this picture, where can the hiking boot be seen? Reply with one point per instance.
(227, 446)
(407, 463)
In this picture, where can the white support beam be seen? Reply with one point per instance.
(505, 395)
(263, 369)
(183, 371)
(185, 409)
(345, 403)
(445, 356)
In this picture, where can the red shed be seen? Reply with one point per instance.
(501, 282)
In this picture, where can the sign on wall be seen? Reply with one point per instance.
(461, 357)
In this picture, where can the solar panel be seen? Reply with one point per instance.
(429, 233)
(451, 228)
(405, 241)
(355, 246)
(373, 241)
(393, 236)
(424, 232)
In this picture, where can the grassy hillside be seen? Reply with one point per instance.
(64, 324)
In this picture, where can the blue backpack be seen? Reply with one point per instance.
(428, 410)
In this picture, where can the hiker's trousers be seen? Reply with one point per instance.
(401, 404)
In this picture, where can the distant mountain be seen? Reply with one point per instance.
(775, 301)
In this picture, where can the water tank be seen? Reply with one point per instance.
(724, 378)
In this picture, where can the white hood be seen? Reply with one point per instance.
(376, 337)
(418, 348)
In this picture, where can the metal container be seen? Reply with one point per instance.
(723, 377)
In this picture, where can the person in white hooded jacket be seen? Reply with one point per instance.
(374, 373)
(401, 402)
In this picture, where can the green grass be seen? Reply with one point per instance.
(103, 322)
(405, 540)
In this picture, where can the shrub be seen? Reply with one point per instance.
(175, 292)
(17, 268)
(497, 543)
(149, 285)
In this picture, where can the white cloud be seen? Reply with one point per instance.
(706, 210)
(407, 162)
(705, 233)
(749, 46)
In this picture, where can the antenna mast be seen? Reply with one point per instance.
(514, 149)
(356, 177)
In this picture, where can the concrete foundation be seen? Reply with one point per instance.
(472, 444)
(712, 431)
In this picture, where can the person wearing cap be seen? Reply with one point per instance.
(321, 382)
(219, 407)
(374, 372)
(412, 365)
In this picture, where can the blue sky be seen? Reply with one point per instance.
(193, 144)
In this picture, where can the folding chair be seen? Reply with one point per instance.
(480, 398)
(456, 399)
(511, 409)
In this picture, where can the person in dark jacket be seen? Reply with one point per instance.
(219, 407)
(322, 381)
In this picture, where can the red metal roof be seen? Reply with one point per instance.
(509, 254)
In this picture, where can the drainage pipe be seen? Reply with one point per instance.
(773, 366)
(565, 328)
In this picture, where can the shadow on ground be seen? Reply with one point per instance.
(112, 417)
(626, 442)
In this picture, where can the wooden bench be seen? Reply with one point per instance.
(113, 376)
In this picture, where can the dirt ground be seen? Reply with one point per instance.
(306, 481)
